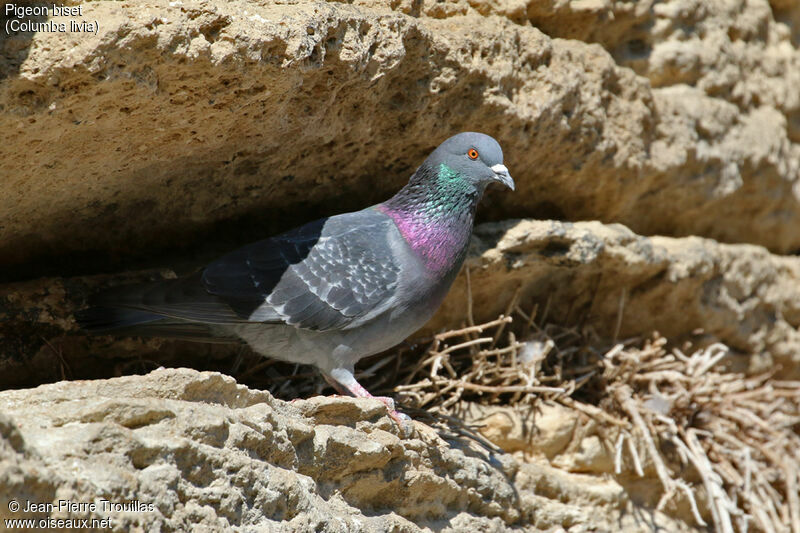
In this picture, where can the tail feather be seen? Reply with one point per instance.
(176, 309)
(100, 319)
(121, 321)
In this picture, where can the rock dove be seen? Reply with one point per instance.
(334, 290)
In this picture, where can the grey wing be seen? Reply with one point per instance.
(325, 275)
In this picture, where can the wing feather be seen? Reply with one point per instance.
(321, 276)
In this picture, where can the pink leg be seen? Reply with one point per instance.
(348, 385)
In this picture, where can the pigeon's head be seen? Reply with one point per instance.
(472, 157)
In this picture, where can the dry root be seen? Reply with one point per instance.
(733, 440)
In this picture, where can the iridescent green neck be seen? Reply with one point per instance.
(448, 190)
(435, 213)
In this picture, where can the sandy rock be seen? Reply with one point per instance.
(593, 455)
(184, 449)
(202, 449)
(546, 430)
(736, 51)
(689, 288)
(184, 128)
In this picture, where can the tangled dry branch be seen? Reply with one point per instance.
(726, 444)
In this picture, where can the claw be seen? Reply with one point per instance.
(400, 418)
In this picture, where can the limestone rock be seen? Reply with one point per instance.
(546, 430)
(185, 450)
(194, 127)
(592, 455)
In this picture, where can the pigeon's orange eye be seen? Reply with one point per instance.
(472, 154)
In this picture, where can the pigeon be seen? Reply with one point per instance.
(334, 290)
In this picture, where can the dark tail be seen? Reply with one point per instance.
(177, 309)
(102, 319)
(124, 322)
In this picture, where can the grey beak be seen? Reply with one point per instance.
(501, 174)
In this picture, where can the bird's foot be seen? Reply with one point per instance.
(400, 418)
(345, 382)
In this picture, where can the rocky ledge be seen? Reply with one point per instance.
(178, 450)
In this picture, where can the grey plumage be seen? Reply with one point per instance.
(334, 290)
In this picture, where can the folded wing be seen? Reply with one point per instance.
(324, 275)
(321, 276)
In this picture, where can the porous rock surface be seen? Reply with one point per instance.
(185, 128)
(195, 450)
(185, 122)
